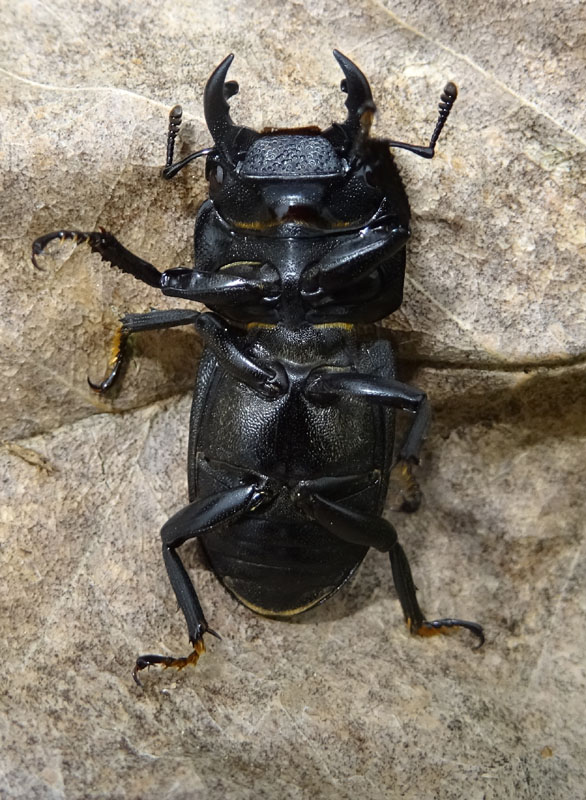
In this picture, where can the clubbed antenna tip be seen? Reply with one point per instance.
(447, 100)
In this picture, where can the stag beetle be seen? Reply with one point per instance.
(298, 249)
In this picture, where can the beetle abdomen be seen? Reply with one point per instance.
(275, 560)
(278, 566)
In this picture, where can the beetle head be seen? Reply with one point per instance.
(303, 179)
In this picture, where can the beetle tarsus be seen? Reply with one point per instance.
(446, 626)
(408, 486)
(414, 617)
(103, 386)
(135, 323)
(40, 244)
(114, 364)
(151, 659)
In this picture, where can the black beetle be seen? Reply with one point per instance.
(300, 246)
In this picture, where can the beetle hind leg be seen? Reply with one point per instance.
(192, 521)
(150, 659)
(414, 618)
(373, 531)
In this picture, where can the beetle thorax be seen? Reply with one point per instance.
(289, 156)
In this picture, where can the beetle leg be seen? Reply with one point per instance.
(414, 618)
(150, 659)
(134, 323)
(385, 391)
(337, 487)
(345, 523)
(190, 522)
(221, 288)
(351, 261)
(371, 531)
(110, 250)
(226, 288)
(269, 380)
(402, 474)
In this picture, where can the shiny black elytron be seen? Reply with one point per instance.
(298, 250)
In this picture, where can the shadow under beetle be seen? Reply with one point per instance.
(300, 246)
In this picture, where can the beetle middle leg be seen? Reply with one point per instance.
(135, 323)
(269, 380)
(324, 384)
(196, 519)
(374, 531)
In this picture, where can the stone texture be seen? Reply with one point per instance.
(340, 703)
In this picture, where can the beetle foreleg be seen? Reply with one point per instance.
(110, 250)
(227, 288)
(351, 261)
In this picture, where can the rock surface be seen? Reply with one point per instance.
(340, 703)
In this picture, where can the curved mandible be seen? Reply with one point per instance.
(358, 90)
(217, 112)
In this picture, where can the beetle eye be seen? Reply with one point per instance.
(219, 174)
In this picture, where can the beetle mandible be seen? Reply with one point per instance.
(299, 249)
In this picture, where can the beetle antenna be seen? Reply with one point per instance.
(175, 117)
(447, 100)
(170, 169)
